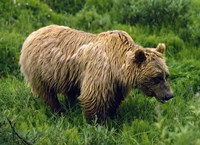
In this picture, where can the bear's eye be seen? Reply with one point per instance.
(157, 80)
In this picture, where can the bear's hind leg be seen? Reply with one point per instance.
(51, 100)
(71, 96)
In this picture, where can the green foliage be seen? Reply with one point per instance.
(69, 6)
(153, 22)
(101, 6)
(146, 38)
(195, 19)
(10, 45)
(187, 75)
(155, 12)
(92, 21)
(24, 17)
(145, 120)
(139, 120)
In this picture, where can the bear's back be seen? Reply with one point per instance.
(45, 51)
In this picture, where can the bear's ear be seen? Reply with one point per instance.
(161, 47)
(140, 56)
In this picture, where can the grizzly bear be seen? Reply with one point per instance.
(97, 69)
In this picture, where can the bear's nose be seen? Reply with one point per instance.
(169, 96)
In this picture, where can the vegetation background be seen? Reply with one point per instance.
(24, 119)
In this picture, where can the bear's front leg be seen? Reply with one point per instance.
(96, 83)
(93, 106)
(95, 99)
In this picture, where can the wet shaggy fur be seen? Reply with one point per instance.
(97, 69)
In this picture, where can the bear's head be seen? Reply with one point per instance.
(152, 72)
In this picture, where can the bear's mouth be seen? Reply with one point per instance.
(160, 100)
(165, 98)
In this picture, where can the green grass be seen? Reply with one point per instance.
(139, 120)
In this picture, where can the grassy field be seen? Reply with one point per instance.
(24, 119)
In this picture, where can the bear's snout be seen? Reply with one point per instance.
(169, 96)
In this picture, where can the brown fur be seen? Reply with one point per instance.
(98, 69)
